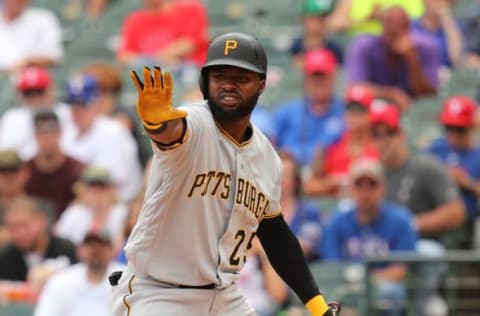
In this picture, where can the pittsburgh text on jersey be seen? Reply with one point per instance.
(218, 183)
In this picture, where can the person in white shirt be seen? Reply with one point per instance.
(99, 140)
(35, 92)
(95, 207)
(28, 36)
(82, 289)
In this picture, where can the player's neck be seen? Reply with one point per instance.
(237, 129)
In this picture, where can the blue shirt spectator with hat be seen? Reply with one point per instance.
(459, 153)
(315, 121)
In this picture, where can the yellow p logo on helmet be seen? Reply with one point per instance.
(230, 45)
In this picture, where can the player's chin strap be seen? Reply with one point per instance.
(318, 307)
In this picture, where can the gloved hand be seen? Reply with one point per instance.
(154, 101)
(318, 307)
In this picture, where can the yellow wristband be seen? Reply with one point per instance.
(317, 306)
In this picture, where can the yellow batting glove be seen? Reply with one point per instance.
(318, 307)
(154, 101)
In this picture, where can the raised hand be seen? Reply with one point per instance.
(154, 101)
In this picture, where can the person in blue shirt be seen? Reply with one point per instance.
(314, 122)
(460, 154)
(262, 118)
(371, 227)
(439, 22)
(303, 216)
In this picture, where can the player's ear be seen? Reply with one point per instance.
(262, 85)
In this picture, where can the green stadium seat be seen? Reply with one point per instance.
(17, 309)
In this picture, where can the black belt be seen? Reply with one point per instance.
(115, 276)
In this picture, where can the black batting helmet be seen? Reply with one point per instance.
(234, 49)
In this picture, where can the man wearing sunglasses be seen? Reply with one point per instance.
(416, 181)
(460, 155)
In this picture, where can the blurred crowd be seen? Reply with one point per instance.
(72, 169)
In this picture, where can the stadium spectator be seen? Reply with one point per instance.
(32, 244)
(82, 289)
(263, 119)
(460, 154)
(314, 18)
(110, 85)
(52, 173)
(263, 289)
(134, 209)
(313, 122)
(417, 181)
(95, 207)
(92, 9)
(355, 143)
(471, 32)
(364, 16)
(438, 21)
(372, 227)
(303, 217)
(165, 32)
(35, 92)
(396, 65)
(99, 140)
(14, 176)
(28, 36)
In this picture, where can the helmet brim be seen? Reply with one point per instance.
(234, 63)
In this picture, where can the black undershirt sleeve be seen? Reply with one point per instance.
(286, 256)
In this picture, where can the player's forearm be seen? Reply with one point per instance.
(284, 252)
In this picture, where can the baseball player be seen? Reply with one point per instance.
(214, 186)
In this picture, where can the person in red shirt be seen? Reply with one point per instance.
(330, 174)
(165, 32)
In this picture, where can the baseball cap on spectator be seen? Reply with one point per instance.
(366, 168)
(384, 113)
(320, 60)
(34, 78)
(96, 175)
(9, 160)
(82, 90)
(46, 120)
(317, 7)
(359, 97)
(458, 111)
(98, 235)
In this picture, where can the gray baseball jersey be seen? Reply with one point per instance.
(205, 198)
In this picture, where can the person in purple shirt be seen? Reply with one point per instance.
(372, 227)
(439, 23)
(461, 155)
(397, 65)
(314, 122)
